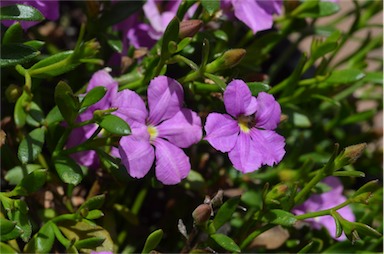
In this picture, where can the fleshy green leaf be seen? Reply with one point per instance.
(54, 116)
(94, 214)
(152, 241)
(225, 212)
(115, 125)
(93, 96)
(6, 226)
(30, 147)
(316, 9)
(20, 114)
(211, 6)
(42, 241)
(68, 170)
(19, 214)
(5, 248)
(15, 53)
(15, 233)
(257, 87)
(171, 33)
(67, 103)
(35, 115)
(14, 34)
(280, 217)
(345, 76)
(16, 174)
(89, 243)
(226, 242)
(20, 12)
(35, 44)
(32, 182)
(93, 203)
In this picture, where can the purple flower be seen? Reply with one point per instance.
(50, 10)
(326, 200)
(81, 134)
(247, 133)
(159, 133)
(256, 14)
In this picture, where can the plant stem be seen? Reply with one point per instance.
(321, 213)
(308, 187)
(139, 201)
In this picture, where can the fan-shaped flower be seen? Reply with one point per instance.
(158, 134)
(247, 131)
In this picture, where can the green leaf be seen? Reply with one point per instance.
(211, 6)
(35, 44)
(345, 76)
(20, 114)
(323, 49)
(93, 96)
(119, 11)
(280, 217)
(15, 53)
(35, 115)
(364, 229)
(359, 117)
(16, 174)
(301, 120)
(6, 226)
(83, 230)
(20, 12)
(127, 214)
(94, 214)
(51, 60)
(349, 173)
(315, 9)
(226, 242)
(5, 248)
(93, 203)
(221, 35)
(257, 87)
(89, 243)
(171, 33)
(30, 147)
(67, 103)
(32, 182)
(19, 214)
(217, 80)
(42, 241)
(152, 241)
(15, 233)
(14, 34)
(115, 43)
(54, 116)
(314, 246)
(225, 212)
(115, 125)
(68, 170)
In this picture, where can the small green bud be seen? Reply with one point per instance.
(188, 28)
(277, 192)
(13, 92)
(349, 155)
(364, 193)
(201, 214)
(228, 60)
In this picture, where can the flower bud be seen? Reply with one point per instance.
(13, 92)
(201, 214)
(188, 28)
(349, 155)
(228, 60)
(277, 192)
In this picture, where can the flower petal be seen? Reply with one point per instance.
(252, 14)
(238, 99)
(172, 165)
(130, 107)
(137, 155)
(268, 112)
(183, 129)
(244, 156)
(165, 98)
(102, 78)
(269, 144)
(222, 131)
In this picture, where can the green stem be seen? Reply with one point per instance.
(308, 187)
(190, 63)
(129, 78)
(62, 141)
(321, 213)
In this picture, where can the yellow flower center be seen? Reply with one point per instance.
(153, 133)
(243, 126)
(246, 123)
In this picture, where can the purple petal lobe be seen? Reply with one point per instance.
(269, 145)
(130, 107)
(222, 131)
(238, 99)
(165, 98)
(268, 112)
(245, 156)
(101, 78)
(183, 129)
(252, 14)
(172, 165)
(137, 155)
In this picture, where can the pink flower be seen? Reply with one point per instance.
(323, 201)
(256, 14)
(158, 134)
(247, 131)
(81, 134)
(50, 10)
